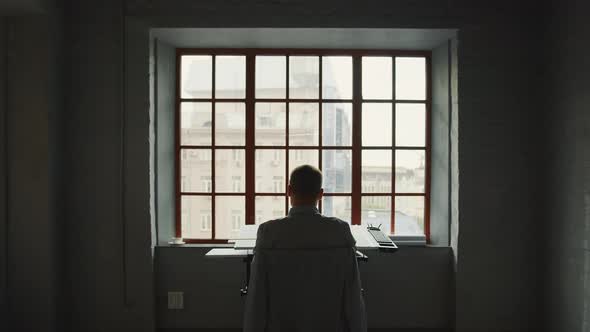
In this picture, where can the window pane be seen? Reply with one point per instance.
(195, 124)
(337, 77)
(409, 171)
(196, 76)
(230, 124)
(377, 125)
(271, 122)
(269, 208)
(376, 172)
(409, 215)
(410, 78)
(195, 170)
(196, 217)
(271, 77)
(230, 77)
(302, 157)
(304, 77)
(376, 211)
(337, 124)
(337, 206)
(337, 170)
(377, 78)
(230, 215)
(304, 121)
(410, 125)
(270, 171)
(230, 171)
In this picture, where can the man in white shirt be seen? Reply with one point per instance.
(304, 226)
(305, 275)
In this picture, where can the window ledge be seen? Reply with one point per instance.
(399, 240)
(408, 240)
(197, 245)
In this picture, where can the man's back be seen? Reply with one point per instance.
(305, 276)
(305, 228)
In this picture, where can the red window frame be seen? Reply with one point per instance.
(250, 146)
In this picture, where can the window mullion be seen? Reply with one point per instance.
(250, 152)
(393, 144)
(320, 120)
(287, 150)
(356, 140)
(428, 149)
(177, 149)
(213, 217)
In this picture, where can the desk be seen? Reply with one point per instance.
(246, 241)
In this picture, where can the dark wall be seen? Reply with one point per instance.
(567, 179)
(32, 113)
(108, 211)
(3, 177)
(409, 289)
(497, 271)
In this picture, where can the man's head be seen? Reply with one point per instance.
(305, 185)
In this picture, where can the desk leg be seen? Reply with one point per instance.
(248, 262)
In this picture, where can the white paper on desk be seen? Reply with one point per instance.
(227, 253)
(362, 237)
(247, 232)
(245, 244)
(247, 237)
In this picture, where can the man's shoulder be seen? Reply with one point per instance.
(272, 222)
(289, 231)
(270, 225)
(287, 221)
(336, 222)
(330, 220)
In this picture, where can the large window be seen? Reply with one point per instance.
(247, 117)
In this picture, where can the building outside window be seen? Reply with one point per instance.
(206, 222)
(236, 220)
(237, 184)
(207, 184)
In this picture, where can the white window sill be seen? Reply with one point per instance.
(197, 245)
(399, 240)
(408, 240)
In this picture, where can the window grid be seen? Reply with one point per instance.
(251, 148)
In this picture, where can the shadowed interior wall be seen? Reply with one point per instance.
(498, 287)
(567, 181)
(32, 113)
(395, 285)
(3, 177)
(108, 214)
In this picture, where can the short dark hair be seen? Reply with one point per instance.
(306, 181)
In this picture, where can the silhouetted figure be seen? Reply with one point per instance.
(304, 274)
